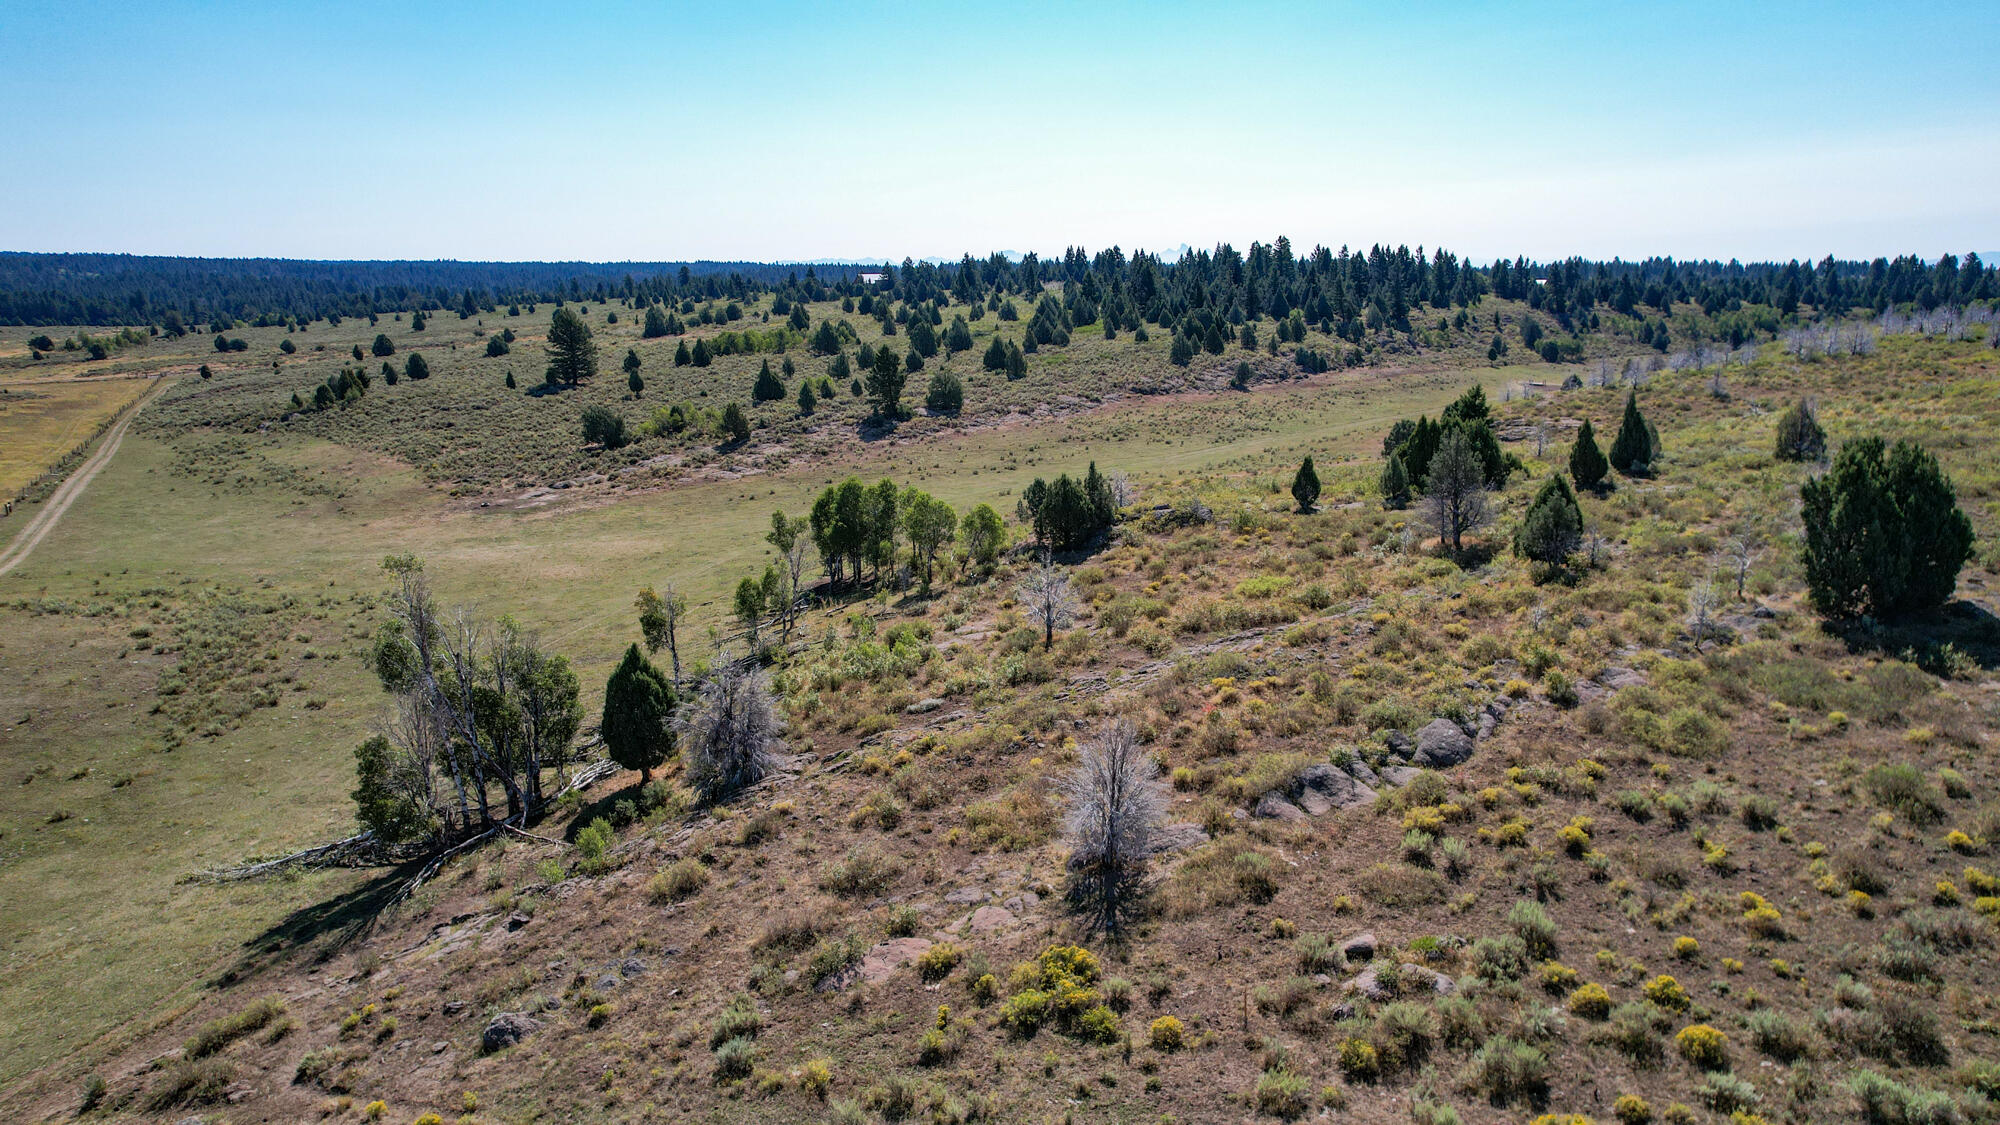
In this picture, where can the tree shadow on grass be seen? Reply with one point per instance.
(1962, 634)
(329, 925)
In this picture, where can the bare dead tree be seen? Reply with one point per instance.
(1702, 602)
(1050, 602)
(1113, 809)
(729, 731)
(1122, 492)
(660, 616)
(1740, 554)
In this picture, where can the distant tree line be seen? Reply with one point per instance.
(1209, 292)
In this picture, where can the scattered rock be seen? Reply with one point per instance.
(880, 962)
(1399, 743)
(507, 1029)
(1764, 613)
(1400, 775)
(440, 1047)
(454, 1007)
(1486, 725)
(1274, 807)
(1360, 947)
(518, 919)
(966, 896)
(1369, 984)
(1324, 787)
(1441, 743)
(1359, 771)
(631, 967)
(1023, 902)
(1178, 835)
(923, 706)
(987, 919)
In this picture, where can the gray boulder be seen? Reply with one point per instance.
(1441, 743)
(1325, 787)
(1360, 947)
(1274, 807)
(507, 1029)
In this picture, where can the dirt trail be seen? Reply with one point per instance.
(66, 493)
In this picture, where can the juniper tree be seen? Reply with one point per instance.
(1587, 465)
(735, 423)
(682, 357)
(1395, 484)
(638, 715)
(1113, 807)
(1800, 437)
(383, 346)
(1552, 528)
(416, 367)
(1884, 536)
(1632, 451)
(768, 387)
(945, 395)
(1305, 485)
(808, 402)
(656, 323)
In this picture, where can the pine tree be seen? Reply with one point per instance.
(1632, 451)
(416, 367)
(572, 353)
(995, 358)
(383, 346)
(1587, 465)
(1305, 485)
(808, 402)
(1455, 491)
(702, 355)
(768, 387)
(510, 380)
(885, 383)
(1017, 364)
(681, 355)
(1395, 484)
(656, 323)
(638, 713)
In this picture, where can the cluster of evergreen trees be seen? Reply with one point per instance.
(1410, 447)
(1068, 514)
(342, 387)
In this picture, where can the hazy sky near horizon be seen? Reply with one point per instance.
(795, 130)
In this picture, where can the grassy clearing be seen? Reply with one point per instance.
(42, 420)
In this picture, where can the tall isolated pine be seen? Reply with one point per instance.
(1800, 437)
(1305, 485)
(572, 354)
(1632, 451)
(885, 383)
(1587, 465)
(638, 712)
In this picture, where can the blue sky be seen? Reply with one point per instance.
(816, 130)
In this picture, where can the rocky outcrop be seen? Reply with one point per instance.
(507, 1029)
(1441, 744)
